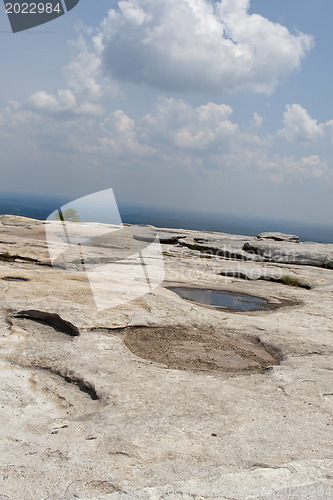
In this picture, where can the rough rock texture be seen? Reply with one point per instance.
(51, 319)
(167, 238)
(122, 411)
(308, 254)
(278, 237)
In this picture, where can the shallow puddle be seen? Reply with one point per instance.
(220, 298)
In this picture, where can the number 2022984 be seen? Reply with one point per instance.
(32, 8)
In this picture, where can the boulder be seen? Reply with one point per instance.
(165, 238)
(278, 237)
(308, 254)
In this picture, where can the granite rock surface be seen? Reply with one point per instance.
(278, 237)
(161, 397)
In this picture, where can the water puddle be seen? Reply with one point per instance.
(220, 298)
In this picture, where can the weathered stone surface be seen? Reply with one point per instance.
(278, 237)
(166, 238)
(97, 417)
(221, 247)
(309, 253)
(50, 319)
(254, 273)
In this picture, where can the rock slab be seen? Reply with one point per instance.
(278, 237)
(161, 397)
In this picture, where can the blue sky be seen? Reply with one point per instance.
(217, 106)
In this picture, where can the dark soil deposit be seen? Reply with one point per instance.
(201, 349)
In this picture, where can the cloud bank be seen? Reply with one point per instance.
(93, 132)
(199, 46)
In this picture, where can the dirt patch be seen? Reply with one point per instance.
(201, 349)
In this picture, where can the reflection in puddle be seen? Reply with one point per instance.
(219, 298)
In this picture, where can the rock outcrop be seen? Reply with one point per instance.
(306, 254)
(160, 397)
(278, 237)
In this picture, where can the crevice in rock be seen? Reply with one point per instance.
(91, 489)
(215, 251)
(115, 329)
(122, 453)
(81, 383)
(164, 240)
(14, 278)
(272, 467)
(51, 319)
(274, 351)
(6, 256)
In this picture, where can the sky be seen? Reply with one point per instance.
(222, 106)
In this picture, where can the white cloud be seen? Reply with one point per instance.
(84, 74)
(174, 139)
(14, 115)
(121, 135)
(299, 126)
(64, 103)
(178, 136)
(183, 126)
(198, 46)
(289, 170)
(329, 129)
(257, 120)
(87, 84)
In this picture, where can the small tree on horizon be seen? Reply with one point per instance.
(70, 214)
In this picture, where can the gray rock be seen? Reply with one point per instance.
(50, 319)
(164, 238)
(86, 417)
(308, 254)
(278, 237)
(219, 247)
(254, 274)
